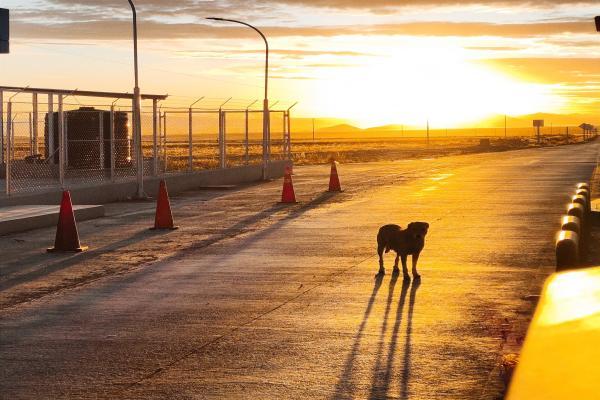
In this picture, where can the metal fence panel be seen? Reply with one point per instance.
(53, 139)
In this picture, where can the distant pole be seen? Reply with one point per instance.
(428, 132)
(313, 126)
(137, 103)
(505, 135)
(266, 113)
(567, 135)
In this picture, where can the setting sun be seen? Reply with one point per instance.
(416, 85)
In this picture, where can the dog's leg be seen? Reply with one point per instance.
(404, 267)
(415, 259)
(396, 269)
(380, 249)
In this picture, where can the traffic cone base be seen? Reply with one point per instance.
(334, 179)
(67, 237)
(163, 218)
(76, 250)
(287, 194)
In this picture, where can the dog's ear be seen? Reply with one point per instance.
(410, 225)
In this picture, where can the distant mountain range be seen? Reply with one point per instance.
(332, 126)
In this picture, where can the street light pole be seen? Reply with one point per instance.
(137, 103)
(266, 114)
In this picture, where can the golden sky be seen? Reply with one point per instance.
(372, 62)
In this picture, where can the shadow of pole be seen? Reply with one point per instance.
(407, 343)
(377, 368)
(343, 388)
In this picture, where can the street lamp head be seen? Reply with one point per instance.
(215, 18)
(597, 19)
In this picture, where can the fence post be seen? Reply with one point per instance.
(113, 148)
(165, 140)
(139, 154)
(35, 123)
(51, 145)
(190, 148)
(266, 135)
(1, 127)
(222, 138)
(289, 136)
(155, 132)
(30, 125)
(284, 138)
(101, 140)
(8, 146)
(61, 143)
(246, 155)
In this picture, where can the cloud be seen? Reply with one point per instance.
(121, 30)
(354, 4)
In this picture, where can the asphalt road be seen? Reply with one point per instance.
(254, 300)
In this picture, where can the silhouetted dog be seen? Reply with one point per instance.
(404, 242)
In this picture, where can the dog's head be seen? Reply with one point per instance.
(418, 229)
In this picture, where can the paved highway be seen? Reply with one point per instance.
(254, 300)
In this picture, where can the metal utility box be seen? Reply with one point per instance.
(88, 139)
(4, 31)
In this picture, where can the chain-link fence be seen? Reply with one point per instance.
(80, 138)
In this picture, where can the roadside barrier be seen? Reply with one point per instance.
(571, 240)
(570, 223)
(334, 179)
(580, 199)
(67, 237)
(583, 185)
(567, 250)
(287, 194)
(163, 218)
(577, 210)
(585, 193)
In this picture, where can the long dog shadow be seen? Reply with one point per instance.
(377, 368)
(344, 387)
(382, 378)
(406, 364)
(385, 359)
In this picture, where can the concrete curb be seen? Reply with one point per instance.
(42, 217)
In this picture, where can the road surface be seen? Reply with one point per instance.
(255, 300)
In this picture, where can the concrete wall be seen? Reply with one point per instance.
(176, 183)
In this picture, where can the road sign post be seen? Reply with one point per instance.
(4, 31)
(538, 123)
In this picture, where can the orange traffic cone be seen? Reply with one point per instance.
(334, 179)
(288, 195)
(163, 218)
(67, 238)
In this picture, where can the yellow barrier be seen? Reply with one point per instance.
(561, 352)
